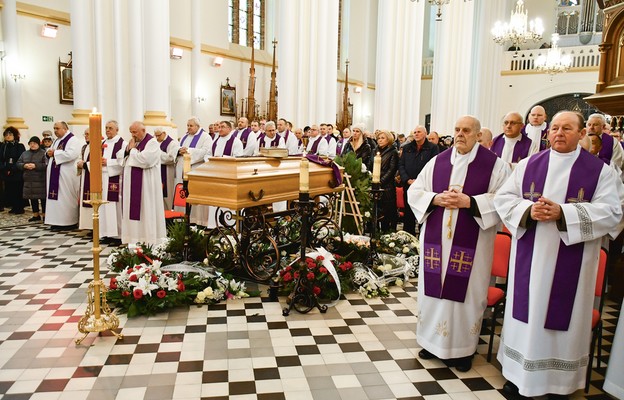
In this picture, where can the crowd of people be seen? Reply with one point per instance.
(554, 185)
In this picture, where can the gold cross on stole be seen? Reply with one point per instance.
(532, 194)
(433, 257)
(459, 263)
(580, 198)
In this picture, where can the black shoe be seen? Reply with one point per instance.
(56, 228)
(34, 219)
(511, 389)
(463, 364)
(114, 242)
(13, 211)
(557, 396)
(425, 355)
(104, 240)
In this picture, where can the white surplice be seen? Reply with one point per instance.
(64, 211)
(539, 360)
(322, 149)
(168, 158)
(535, 134)
(450, 329)
(615, 370)
(110, 213)
(150, 228)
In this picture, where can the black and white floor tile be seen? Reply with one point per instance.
(242, 349)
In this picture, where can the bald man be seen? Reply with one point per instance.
(512, 146)
(537, 130)
(485, 138)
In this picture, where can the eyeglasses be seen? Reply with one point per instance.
(511, 122)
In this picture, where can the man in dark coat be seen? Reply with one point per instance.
(414, 156)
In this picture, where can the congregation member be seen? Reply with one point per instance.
(359, 146)
(389, 166)
(434, 138)
(342, 142)
(512, 146)
(168, 153)
(485, 138)
(46, 140)
(10, 174)
(112, 171)
(415, 154)
(558, 206)
(269, 138)
(292, 144)
(453, 198)
(247, 136)
(611, 152)
(316, 143)
(537, 129)
(85, 218)
(143, 219)
(63, 184)
(33, 164)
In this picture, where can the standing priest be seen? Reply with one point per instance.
(453, 196)
(143, 214)
(558, 205)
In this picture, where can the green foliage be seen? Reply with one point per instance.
(197, 242)
(361, 183)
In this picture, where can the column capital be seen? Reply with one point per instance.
(16, 122)
(156, 118)
(79, 117)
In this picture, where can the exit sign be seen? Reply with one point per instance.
(47, 118)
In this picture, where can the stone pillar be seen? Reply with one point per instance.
(399, 60)
(196, 24)
(134, 61)
(83, 61)
(13, 65)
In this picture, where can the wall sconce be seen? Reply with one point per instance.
(17, 76)
(49, 30)
(200, 99)
(357, 89)
(175, 53)
(217, 62)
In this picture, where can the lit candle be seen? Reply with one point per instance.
(187, 165)
(304, 176)
(377, 169)
(95, 150)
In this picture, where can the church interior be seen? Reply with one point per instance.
(390, 65)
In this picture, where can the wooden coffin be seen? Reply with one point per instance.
(237, 183)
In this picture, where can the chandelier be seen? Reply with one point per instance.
(439, 4)
(553, 62)
(518, 30)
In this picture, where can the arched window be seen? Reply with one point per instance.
(246, 22)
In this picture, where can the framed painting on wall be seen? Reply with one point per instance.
(228, 99)
(66, 84)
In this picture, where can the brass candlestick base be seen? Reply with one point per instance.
(98, 316)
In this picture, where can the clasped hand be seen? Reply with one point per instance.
(545, 210)
(451, 199)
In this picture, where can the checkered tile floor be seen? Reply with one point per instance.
(244, 349)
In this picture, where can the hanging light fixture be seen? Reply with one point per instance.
(439, 4)
(518, 30)
(553, 62)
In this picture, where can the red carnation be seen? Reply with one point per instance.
(331, 279)
(113, 283)
(154, 278)
(161, 294)
(320, 258)
(297, 275)
(288, 268)
(125, 293)
(310, 276)
(181, 286)
(323, 270)
(133, 278)
(287, 277)
(104, 145)
(138, 294)
(316, 290)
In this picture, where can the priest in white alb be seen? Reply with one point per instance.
(112, 171)
(168, 154)
(143, 218)
(558, 205)
(453, 196)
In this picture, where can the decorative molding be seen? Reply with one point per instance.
(16, 122)
(79, 117)
(42, 13)
(155, 118)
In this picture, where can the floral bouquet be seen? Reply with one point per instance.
(221, 289)
(394, 269)
(368, 283)
(120, 258)
(400, 244)
(355, 247)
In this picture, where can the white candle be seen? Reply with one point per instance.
(377, 169)
(304, 176)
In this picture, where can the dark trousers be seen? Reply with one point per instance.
(409, 220)
(13, 195)
(34, 203)
(388, 210)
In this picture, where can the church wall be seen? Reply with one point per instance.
(426, 87)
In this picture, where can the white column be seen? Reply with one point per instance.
(83, 61)
(121, 102)
(328, 62)
(398, 65)
(13, 66)
(345, 29)
(452, 66)
(99, 48)
(196, 24)
(288, 92)
(156, 62)
(134, 60)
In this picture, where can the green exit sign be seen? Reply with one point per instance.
(47, 118)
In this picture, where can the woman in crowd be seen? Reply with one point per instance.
(358, 144)
(389, 167)
(11, 175)
(33, 164)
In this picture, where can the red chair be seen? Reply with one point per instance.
(179, 200)
(599, 291)
(400, 203)
(497, 294)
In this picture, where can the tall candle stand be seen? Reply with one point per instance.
(376, 193)
(302, 298)
(98, 316)
(186, 249)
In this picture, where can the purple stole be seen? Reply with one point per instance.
(163, 168)
(273, 143)
(315, 145)
(136, 183)
(86, 187)
(582, 183)
(339, 145)
(227, 151)
(606, 152)
(55, 171)
(463, 248)
(520, 151)
(244, 136)
(194, 141)
(543, 138)
(113, 181)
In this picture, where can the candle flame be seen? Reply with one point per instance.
(94, 110)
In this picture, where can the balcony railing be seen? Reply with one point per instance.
(582, 57)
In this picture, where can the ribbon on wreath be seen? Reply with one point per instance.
(329, 265)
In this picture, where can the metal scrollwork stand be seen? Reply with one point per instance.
(302, 297)
(376, 193)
